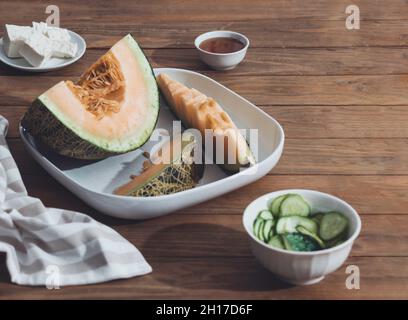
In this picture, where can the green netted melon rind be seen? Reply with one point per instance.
(174, 178)
(44, 126)
(179, 175)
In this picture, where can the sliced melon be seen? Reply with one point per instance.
(198, 111)
(112, 109)
(171, 169)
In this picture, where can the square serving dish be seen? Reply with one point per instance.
(94, 181)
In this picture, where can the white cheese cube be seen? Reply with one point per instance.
(14, 39)
(38, 43)
(36, 50)
(53, 33)
(58, 34)
(40, 27)
(63, 49)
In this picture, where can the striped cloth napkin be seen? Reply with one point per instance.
(56, 247)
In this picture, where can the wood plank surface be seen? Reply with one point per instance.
(267, 61)
(329, 122)
(117, 13)
(282, 33)
(261, 90)
(235, 278)
(340, 95)
(292, 33)
(165, 23)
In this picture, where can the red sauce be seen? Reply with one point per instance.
(221, 45)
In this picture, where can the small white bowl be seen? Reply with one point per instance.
(302, 268)
(222, 61)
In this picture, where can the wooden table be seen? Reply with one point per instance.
(341, 96)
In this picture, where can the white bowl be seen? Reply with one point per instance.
(222, 61)
(95, 181)
(302, 268)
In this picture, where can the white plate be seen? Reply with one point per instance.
(51, 64)
(94, 181)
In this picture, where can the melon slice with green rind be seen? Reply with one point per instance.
(112, 109)
(174, 169)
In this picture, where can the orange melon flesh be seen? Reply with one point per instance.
(123, 112)
(198, 111)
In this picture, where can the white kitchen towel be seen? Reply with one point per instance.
(56, 247)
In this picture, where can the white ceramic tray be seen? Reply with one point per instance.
(51, 64)
(94, 182)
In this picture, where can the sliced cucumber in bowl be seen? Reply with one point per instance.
(268, 230)
(332, 225)
(294, 205)
(264, 224)
(317, 217)
(266, 215)
(289, 224)
(336, 241)
(276, 204)
(276, 242)
(257, 226)
(299, 242)
(312, 235)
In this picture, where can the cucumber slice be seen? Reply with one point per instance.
(257, 226)
(276, 204)
(294, 205)
(333, 224)
(286, 243)
(267, 228)
(265, 214)
(276, 242)
(260, 232)
(306, 232)
(271, 233)
(336, 241)
(289, 224)
(299, 242)
(317, 217)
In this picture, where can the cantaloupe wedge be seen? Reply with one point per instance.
(198, 111)
(111, 109)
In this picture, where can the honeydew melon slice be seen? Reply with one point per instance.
(112, 109)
